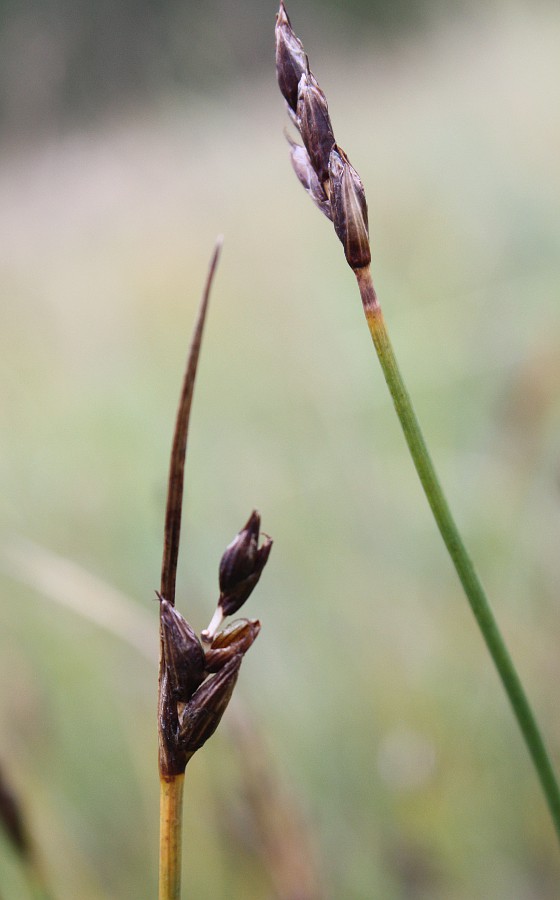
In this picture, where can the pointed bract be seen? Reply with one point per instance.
(183, 653)
(349, 209)
(314, 124)
(291, 60)
(204, 711)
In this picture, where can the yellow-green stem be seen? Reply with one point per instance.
(455, 547)
(170, 829)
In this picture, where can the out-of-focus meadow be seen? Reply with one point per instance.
(372, 747)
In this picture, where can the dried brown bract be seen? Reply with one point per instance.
(184, 656)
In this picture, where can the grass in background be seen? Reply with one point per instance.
(106, 238)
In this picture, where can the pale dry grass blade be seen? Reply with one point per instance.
(73, 587)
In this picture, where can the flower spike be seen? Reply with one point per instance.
(321, 166)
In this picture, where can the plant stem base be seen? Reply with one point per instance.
(170, 832)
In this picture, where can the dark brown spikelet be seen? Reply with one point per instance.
(241, 565)
(204, 711)
(184, 656)
(236, 638)
(349, 209)
(315, 124)
(240, 569)
(291, 61)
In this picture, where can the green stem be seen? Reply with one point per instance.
(456, 549)
(170, 830)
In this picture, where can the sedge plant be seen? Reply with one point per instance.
(325, 172)
(196, 678)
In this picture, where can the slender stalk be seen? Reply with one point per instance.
(170, 830)
(171, 759)
(453, 541)
(325, 172)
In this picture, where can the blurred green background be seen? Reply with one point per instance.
(372, 751)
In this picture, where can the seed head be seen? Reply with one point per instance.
(183, 653)
(320, 165)
(291, 61)
(315, 124)
(204, 711)
(349, 209)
